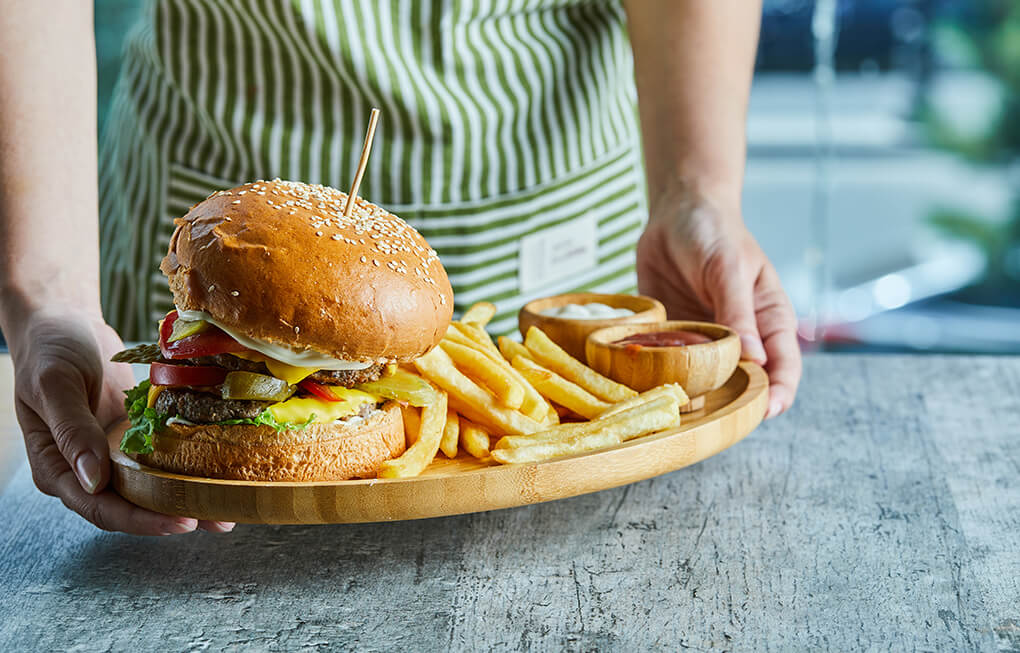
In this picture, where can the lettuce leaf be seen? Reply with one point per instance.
(145, 421)
(265, 418)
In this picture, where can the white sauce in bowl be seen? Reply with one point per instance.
(592, 311)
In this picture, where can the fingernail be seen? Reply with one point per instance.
(218, 527)
(753, 349)
(775, 407)
(180, 526)
(86, 468)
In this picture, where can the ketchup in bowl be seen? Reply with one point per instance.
(664, 339)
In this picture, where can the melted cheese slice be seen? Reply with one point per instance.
(299, 409)
(289, 373)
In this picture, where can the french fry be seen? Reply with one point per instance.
(469, 399)
(483, 369)
(535, 406)
(480, 313)
(552, 356)
(423, 451)
(641, 420)
(669, 390)
(474, 439)
(451, 434)
(555, 388)
(555, 448)
(565, 413)
(454, 335)
(654, 412)
(510, 348)
(412, 423)
(478, 335)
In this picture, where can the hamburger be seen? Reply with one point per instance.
(281, 359)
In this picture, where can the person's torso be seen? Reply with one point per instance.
(500, 120)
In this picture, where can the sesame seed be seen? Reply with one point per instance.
(318, 233)
(297, 329)
(234, 293)
(236, 202)
(375, 263)
(212, 287)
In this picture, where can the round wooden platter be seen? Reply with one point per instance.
(451, 487)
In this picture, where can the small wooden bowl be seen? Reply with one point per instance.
(700, 368)
(571, 333)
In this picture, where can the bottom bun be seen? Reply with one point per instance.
(321, 452)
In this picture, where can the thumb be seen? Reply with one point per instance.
(733, 303)
(75, 429)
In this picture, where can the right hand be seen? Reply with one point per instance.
(67, 394)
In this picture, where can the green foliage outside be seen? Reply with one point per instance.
(990, 41)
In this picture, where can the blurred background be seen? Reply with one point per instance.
(883, 175)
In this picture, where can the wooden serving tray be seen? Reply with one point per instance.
(451, 487)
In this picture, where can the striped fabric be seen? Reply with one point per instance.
(501, 118)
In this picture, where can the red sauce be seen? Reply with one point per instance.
(663, 339)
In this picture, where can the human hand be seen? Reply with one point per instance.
(67, 395)
(700, 260)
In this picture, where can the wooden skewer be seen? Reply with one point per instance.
(352, 196)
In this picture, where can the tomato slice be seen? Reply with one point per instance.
(210, 342)
(182, 375)
(319, 390)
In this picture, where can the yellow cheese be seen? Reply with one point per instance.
(298, 409)
(288, 373)
(154, 391)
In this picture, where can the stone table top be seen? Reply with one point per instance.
(881, 513)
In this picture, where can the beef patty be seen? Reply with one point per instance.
(204, 408)
(346, 378)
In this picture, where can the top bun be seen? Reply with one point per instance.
(278, 261)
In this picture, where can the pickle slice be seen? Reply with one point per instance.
(248, 385)
(184, 328)
(402, 386)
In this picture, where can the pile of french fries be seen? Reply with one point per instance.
(520, 403)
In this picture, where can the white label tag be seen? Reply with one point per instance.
(558, 252)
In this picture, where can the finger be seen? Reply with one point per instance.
(779, 327)
(110, 512)
(51, 474)
(44, 458)
(74, 428)
(731, 289)
(784, 370)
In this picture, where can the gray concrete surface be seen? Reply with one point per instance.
(883, 513)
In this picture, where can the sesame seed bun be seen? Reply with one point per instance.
(320, 452)
(278, 261)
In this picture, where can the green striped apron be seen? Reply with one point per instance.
(508, 134)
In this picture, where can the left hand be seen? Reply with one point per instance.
(700, 260)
